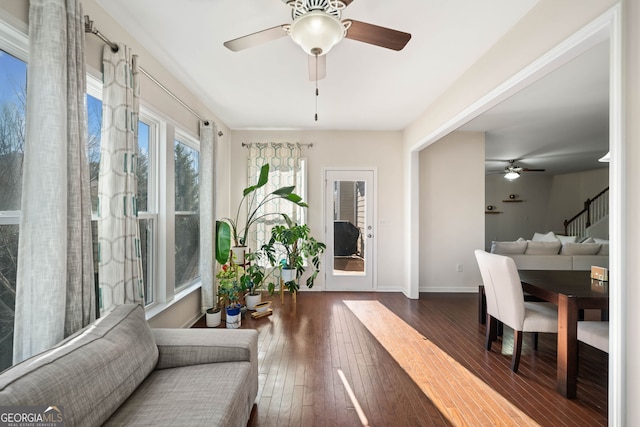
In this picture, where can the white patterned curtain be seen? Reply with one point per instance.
(119, 257)
(208, 143)
(285, 169)
(55, 293)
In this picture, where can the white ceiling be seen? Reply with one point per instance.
(267, 87)
(560, 123)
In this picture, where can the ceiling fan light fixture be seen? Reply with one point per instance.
(511, 175)
(317, 32)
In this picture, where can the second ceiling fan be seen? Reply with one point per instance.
(317, 27)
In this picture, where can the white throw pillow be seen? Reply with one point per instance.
(567, 239)
(588, 240)
(604, 249)
(508, 248)
(549, 237)
(598, 240)
(543, 248)
(580, 249)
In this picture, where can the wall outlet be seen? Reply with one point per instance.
(459, 268)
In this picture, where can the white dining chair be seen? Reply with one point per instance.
(505, 303)
(594, 333)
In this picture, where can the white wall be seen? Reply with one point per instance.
(342, 149)
(451, 206)
(517, 219)
(627, 365)
(569, 192)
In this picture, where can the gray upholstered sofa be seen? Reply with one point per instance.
(118, 371)
(551, 252)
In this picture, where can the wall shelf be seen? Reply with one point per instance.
(492, 212)
(512, 200)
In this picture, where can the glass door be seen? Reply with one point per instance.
(350, 237)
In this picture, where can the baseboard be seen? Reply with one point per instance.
(456, 290)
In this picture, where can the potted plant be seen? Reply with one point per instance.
(235, 231)
(295, 243)
(230, 288)
(254, 279)
(213, 317)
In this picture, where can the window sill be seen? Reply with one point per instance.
(158, 308)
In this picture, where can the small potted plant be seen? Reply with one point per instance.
(230, 288)
(294, 243)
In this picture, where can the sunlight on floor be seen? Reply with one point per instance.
(460, 396)
(354, 399)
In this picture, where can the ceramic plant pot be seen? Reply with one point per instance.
(288, 274)
(213, 317)
(234, 317)
(263, 306)
(252, 300)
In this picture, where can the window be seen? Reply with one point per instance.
(147, 206)
(13, 83)
(187, 217)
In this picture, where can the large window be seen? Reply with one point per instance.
(187, 217)
(13, 83)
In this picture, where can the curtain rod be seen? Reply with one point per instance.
(90, 28)
(300, 145)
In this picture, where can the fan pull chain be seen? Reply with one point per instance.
(317, 92)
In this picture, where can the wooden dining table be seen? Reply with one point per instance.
(571, 291)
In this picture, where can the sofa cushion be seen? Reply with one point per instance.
(580, 248)
(89, 374)
(543, 248)
(604, 249)
(567, 239)
(548, 237)
(215, 394)
(507, 248)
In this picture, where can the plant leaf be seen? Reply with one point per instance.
(283, 191)
(223, 241)
(262, 180)
(264, 175)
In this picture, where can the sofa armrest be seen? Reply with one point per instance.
(183, 347)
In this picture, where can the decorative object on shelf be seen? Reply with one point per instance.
(512, 198)
(489, 207)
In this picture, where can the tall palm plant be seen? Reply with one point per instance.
(236, 230)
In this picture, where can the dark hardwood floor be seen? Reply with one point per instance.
(302, 346)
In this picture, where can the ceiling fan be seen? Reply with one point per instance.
(513, 171)
(317, 28)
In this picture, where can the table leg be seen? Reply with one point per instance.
(567, 362)
(482, 305)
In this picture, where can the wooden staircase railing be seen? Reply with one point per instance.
(594, 210)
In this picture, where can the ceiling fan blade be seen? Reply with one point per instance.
(346, 2)
(321, 67)
(379, 36)
(533, 170)
(256, 39)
